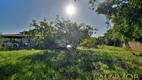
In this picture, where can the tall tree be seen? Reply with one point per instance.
(124, 14)
(42, 32)
(126, 17)
(72, 32)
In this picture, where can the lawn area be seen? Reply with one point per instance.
(85, 64)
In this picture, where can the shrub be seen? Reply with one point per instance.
(89, 42)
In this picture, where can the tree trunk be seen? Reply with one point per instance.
(127, 45)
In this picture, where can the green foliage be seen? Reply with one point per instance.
(126, 17)
(45, 34)
(108, 39)
(1, 40)
(72, 32)
(40, 31)
(58, 65)
(89, 42)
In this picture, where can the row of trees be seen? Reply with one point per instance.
(47, 33)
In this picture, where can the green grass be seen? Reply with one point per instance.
(59, 65)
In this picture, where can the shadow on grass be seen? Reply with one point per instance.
(59, 65)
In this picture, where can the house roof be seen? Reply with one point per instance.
(13, 36)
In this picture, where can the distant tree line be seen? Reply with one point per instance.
(106, 39)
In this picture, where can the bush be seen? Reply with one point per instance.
(89, 42)
(1, 48)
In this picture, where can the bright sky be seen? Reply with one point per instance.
(16, 15)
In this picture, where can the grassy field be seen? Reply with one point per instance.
(84, 64)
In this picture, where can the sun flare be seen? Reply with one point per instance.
(70, 9)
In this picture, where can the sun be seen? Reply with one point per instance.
(70, 9)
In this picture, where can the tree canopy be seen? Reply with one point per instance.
(65, 31)
(125, 15)
(72, 32)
